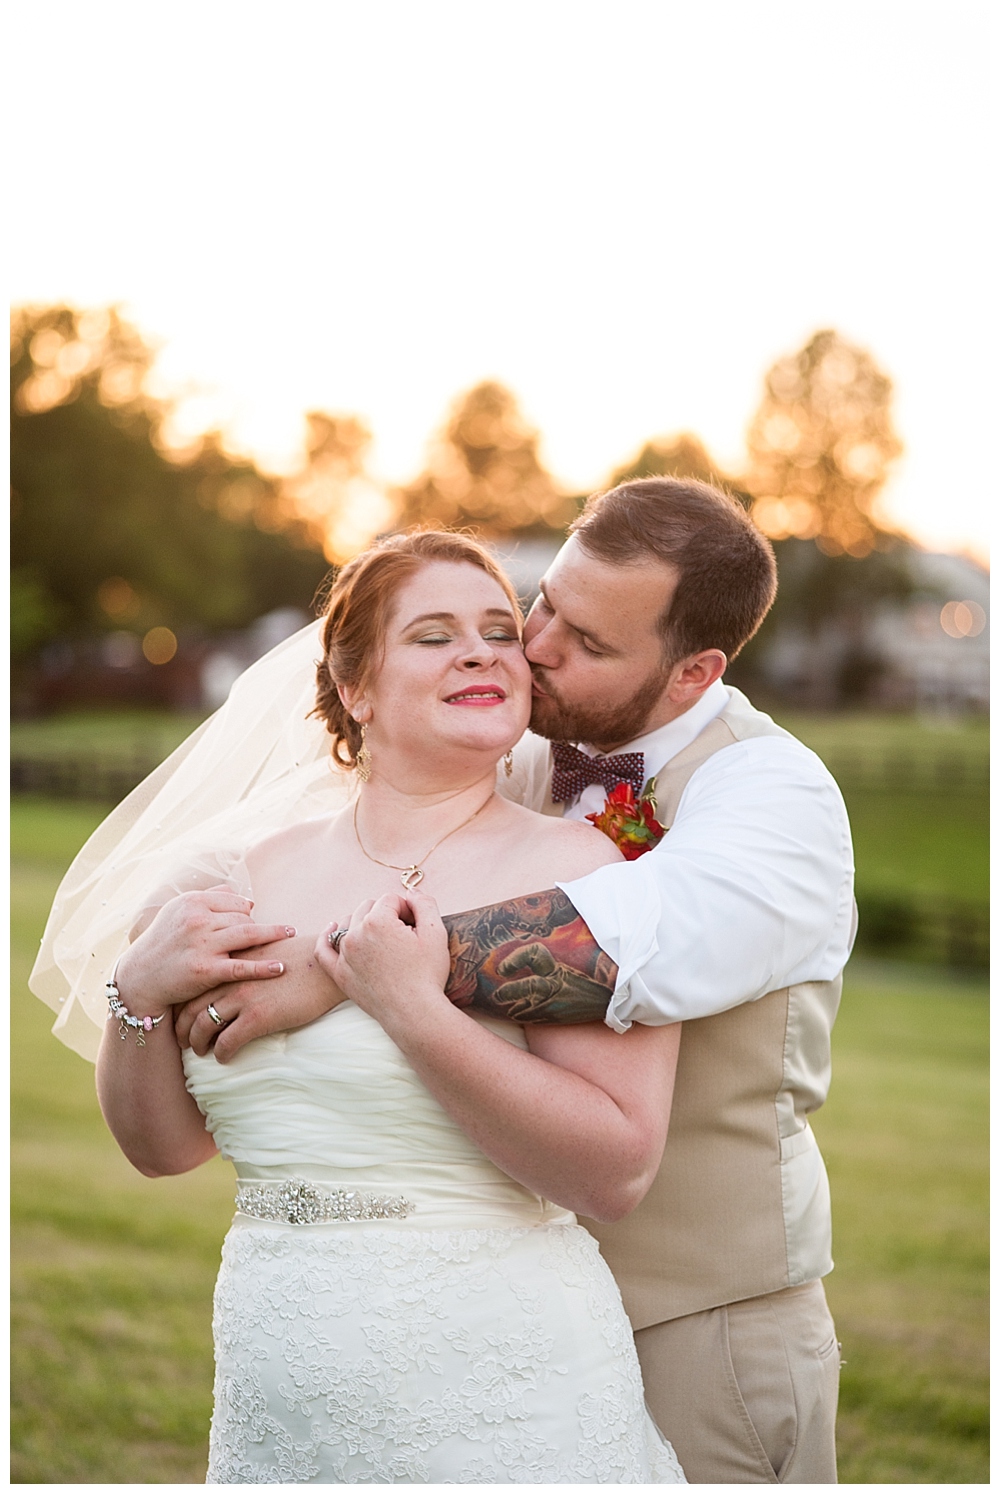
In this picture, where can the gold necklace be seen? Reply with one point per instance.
(412, 876)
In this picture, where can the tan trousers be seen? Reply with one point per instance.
(747, 1393)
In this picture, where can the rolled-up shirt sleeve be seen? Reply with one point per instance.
(751, 890)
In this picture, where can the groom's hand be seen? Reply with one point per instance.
(195, 942)
(252, 1010)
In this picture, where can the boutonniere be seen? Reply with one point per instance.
(631, 823)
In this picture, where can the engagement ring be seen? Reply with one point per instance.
(334, 939)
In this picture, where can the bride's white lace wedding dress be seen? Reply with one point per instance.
(432, 1321)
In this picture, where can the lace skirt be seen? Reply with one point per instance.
(382, 1354)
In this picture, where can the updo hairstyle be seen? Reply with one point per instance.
(357, 617)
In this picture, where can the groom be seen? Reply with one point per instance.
(737, 923)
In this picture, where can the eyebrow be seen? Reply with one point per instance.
(503, 612)
(605, 648)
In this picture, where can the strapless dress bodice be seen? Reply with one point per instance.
(337, 1104)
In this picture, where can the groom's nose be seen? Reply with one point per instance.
(541, 643)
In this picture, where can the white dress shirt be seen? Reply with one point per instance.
(751, 890)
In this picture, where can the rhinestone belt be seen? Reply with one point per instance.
(298, 1202)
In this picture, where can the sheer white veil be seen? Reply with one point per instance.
(255, 766)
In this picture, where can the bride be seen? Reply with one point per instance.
(405, 1294)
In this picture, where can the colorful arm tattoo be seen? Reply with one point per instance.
(532, 959)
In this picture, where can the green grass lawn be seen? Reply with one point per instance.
(932, 842)
(905, 1138)
(112, 1272)
(928, 844)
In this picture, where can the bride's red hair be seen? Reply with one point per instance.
(357, 615)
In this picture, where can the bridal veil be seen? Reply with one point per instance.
(258, 764)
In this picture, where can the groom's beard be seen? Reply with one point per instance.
(602, 726)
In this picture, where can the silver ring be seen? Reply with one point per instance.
(334, 940)
(219, 1021)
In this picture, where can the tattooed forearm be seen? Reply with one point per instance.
(531, 960)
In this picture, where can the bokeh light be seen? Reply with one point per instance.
(963, 619)
(159, 645)
(118, 598)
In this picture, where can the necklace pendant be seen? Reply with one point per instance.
(412, 877)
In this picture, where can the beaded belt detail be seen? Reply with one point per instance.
(298, 1202)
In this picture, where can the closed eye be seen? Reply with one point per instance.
(495, 635)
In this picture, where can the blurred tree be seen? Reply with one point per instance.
(683, 455)
(332, 493)
(820, 447)
(110, 530)
(484, 471)
(35, 615)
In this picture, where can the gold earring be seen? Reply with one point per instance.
(363, 760)
(508, 762)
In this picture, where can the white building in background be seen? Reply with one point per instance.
(932, 651)
(936, 647)
(224, 663)
(929, 653)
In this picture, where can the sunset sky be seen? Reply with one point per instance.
(623, 212)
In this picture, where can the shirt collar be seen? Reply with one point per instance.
(659, 746)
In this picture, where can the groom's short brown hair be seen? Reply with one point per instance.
(727, 575)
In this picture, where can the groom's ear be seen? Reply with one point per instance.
(692, 676)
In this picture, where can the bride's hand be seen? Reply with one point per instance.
(395, 951)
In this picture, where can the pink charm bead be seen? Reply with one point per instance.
(147, 1023)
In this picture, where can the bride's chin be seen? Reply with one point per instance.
(482, 742)
(486, 750)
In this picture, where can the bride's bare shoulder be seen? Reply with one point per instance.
(574, 847)
(292, 840)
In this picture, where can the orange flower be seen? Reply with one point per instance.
(631, 824)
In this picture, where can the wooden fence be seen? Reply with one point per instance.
(110, 776)
(101, 778)
(902, 772)
(941, 931)
(936, 930)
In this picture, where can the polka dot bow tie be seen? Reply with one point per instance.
(573, 770)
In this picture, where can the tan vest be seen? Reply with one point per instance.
(741, 1203)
